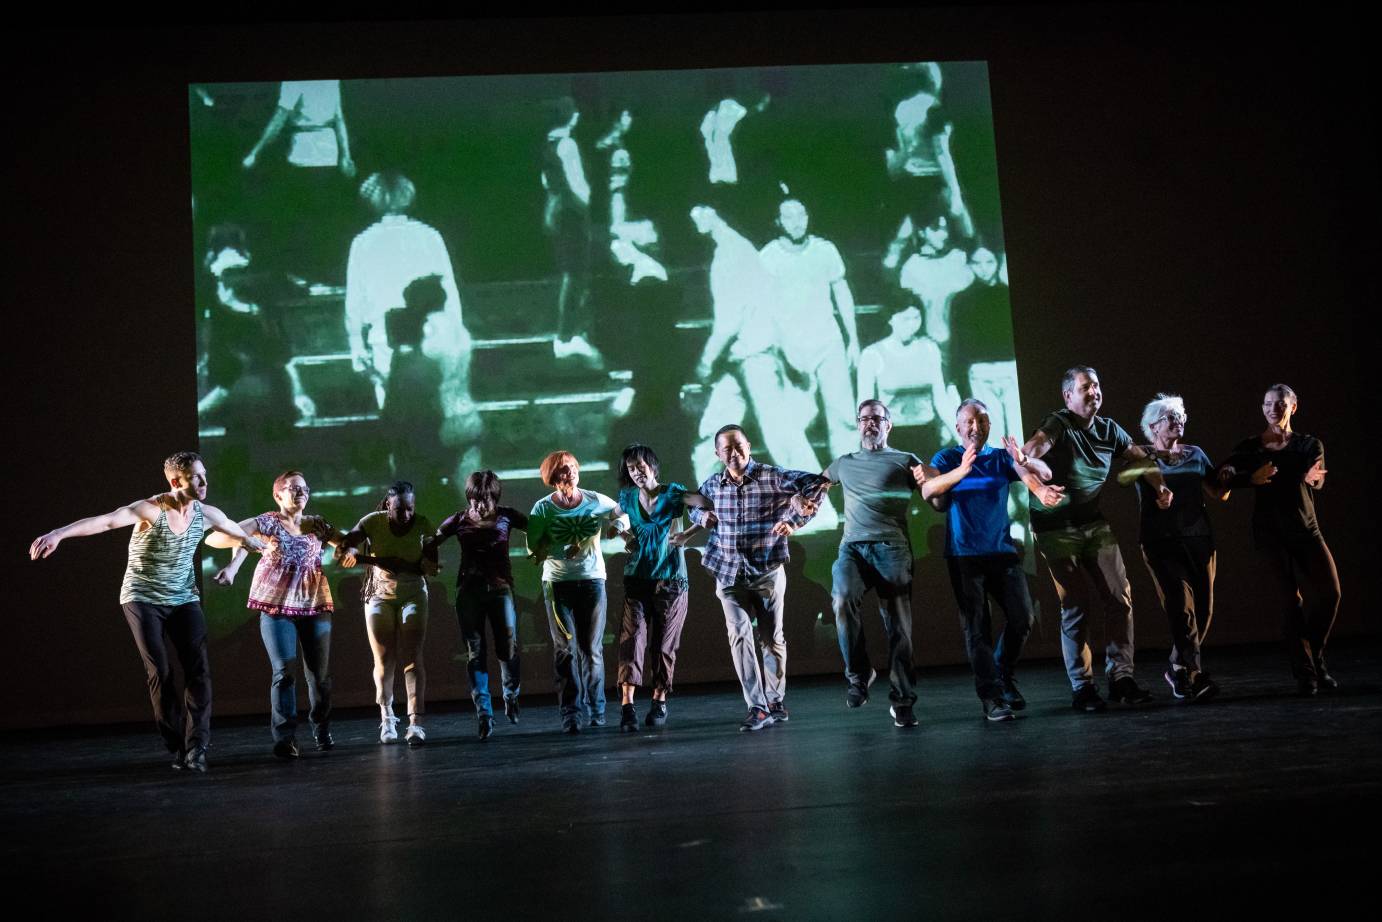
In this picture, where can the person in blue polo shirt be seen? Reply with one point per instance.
(970, 485)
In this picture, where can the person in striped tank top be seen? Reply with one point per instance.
(160, 598)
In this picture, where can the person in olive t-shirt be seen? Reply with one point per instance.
(1079, 546)
(875, 553)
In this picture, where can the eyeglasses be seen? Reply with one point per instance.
(1170, 418)
(880, 418)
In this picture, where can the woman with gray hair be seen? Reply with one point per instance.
(1177, 541)
(1287, 468)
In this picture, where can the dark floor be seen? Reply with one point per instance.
(1259, 800)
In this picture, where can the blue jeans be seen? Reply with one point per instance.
(475, 606)
(976, 580)
(576, 618)
(281, 636)
(886, 568)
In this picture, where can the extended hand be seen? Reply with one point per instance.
(783, 529)
(1050, 495)
(44, 545)
(574, 552)
(803, 505)
(1264, 474)
(710, 520)
(1315, 476)
(680, 538)
(225, 576)
(254, 543)
(1164, 497)
(967, 459)
(1014, 450)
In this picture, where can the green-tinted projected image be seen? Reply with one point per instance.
(414, 279)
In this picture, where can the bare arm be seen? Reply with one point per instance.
(1150, 473)
(226, 575)
(941, 483)
(571, 167)
(844, 303)
(141, 510)
(271, 131)
(346, 165)
(1038, 445)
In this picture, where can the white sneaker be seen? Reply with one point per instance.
(388, 730)
(415, 736)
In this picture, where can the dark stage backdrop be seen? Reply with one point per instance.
(1184, 209)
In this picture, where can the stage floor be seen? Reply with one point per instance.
(1257, 800)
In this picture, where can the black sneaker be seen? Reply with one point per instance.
(511, 709)
(1325, 681)
(903, 716)
(1086, 699)
(1125, 690)
(1011, 696)
(996, 709)
(1179, 680)
(570, 725)
(757, 720)
(324, 741)
(858, 695)
(1202, 687)
(286, 749)
(1307, 688)
(657, 714)
(179, 763)
(628, 719)
(778, 712)
(196, 759)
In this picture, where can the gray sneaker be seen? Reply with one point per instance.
(996, 709)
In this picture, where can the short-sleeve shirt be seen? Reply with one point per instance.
(407, 546)
(655, 558)
(288, 580)
(562, 527)
(1186, 517)
(1080, 459)
(935, 280)
(976, 521)
(878, 489)
(1285, 505)
(484, 547)
(806, 307)
(313, 105)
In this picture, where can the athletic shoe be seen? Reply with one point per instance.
(416, 736)
(657, 714)
(1179, 680)
(1325, 681)
(1307, 688)
(757, 720)
(1011, 696)
(858, 695)
(511, 709)
(628, 719)
(778, 712)
(179, 761)
(1127, 691)
(484, 727)
(286, 749)
(324, 741)
(570, 725)
(903, 716)
(1202, 688)
(388, 730)
(597, 720)
(1086, 699)
(196, 759)
(996, 709)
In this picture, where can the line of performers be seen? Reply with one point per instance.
(749, 510)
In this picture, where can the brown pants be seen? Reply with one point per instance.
(654, 614)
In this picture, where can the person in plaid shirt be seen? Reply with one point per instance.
(750, 524)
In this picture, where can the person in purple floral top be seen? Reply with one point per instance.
(293, 599)
(484, 591)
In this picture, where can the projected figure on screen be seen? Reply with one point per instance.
(566, 220)
(384, 258)
(934, 274)
(740, 363)
(921, 162)
(311, 109)
(904, 371)
(717, 131)
(631, 239)
(412, 411)
(809, 276)
(981, 350)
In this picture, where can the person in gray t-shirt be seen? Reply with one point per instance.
(876, 553)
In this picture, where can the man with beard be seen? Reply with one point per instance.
(971, 487)
(875, 553)
(1078, 544)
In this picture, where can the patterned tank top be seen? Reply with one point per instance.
(161, 570)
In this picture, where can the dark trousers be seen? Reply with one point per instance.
(886, 568)
(183, 721)
(976, 580)
(576, 618)
(1302, 576)
(281, 636)
(476, 606)
(654, 614)
(1183, 571)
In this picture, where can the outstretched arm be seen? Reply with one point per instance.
(138, 511)
(1151, 473)
(933, 487)
(226, 575)
(271, 131)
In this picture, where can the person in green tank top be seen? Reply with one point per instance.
(160, 598)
